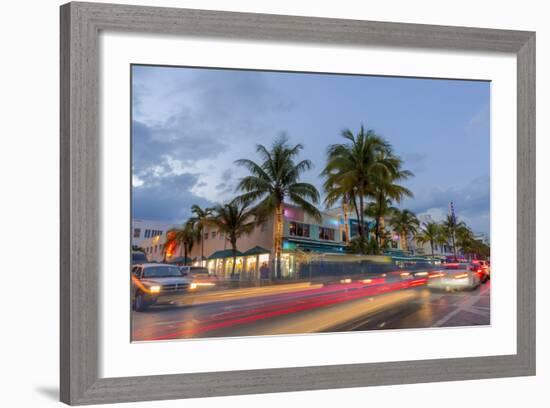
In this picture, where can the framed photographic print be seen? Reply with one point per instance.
(261, 203)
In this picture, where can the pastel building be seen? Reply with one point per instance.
(303, 235)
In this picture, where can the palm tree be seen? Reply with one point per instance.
(378, 211)
(450, 226)
(430, 232)
(480, 248)
(465, 239)
(385, 239)
(348, 169)
(404, 223)
(199, 221)
(272, 182)
(346, 195)
(353, 168)
(183, 237)
(385, 189)
(234, 220)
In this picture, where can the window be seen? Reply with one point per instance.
(161, 272)
(137, 232)
(344, 237)
(213, 234)
(206, 235)
(299, 230)
(354, 228)
(326, 233)
(147, 233)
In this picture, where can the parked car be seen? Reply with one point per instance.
(199, 276)
(454, 276)
(157, 283)
(198, 271)
(138, 257)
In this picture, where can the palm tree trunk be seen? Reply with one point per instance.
(361, 213)
(234, 264)
(381, 227)
(404, 243)
(202, 245)
(380, 224)
(346, 223)
(278, 238)
(453, 241)
(184, 253)
(432, 246)
(359, 230)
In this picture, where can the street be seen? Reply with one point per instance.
(312, 308)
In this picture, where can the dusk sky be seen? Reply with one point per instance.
(190, 125)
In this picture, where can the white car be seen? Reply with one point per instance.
(154, 283)
(199, 277)
(454, 276)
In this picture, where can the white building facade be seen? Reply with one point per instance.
(145, 230)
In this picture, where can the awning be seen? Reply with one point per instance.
(257, 250)
(226, 253)
(315, 246)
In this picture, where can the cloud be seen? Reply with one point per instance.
(171, 144)
(480, 122)
(471, 202)
(191, 124)
(194, 122)
(231, 95)
(415, 161)
(166, 198)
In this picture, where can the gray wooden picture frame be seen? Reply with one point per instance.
(80, 190)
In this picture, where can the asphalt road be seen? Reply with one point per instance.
(305, 308)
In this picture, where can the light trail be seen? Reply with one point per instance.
(297, 304)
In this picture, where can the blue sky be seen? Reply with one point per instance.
(190, 125)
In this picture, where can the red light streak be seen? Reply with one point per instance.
(296, 304)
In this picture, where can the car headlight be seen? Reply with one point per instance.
(154, 289)
(193, 286)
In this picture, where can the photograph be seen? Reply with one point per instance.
(289, 203)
